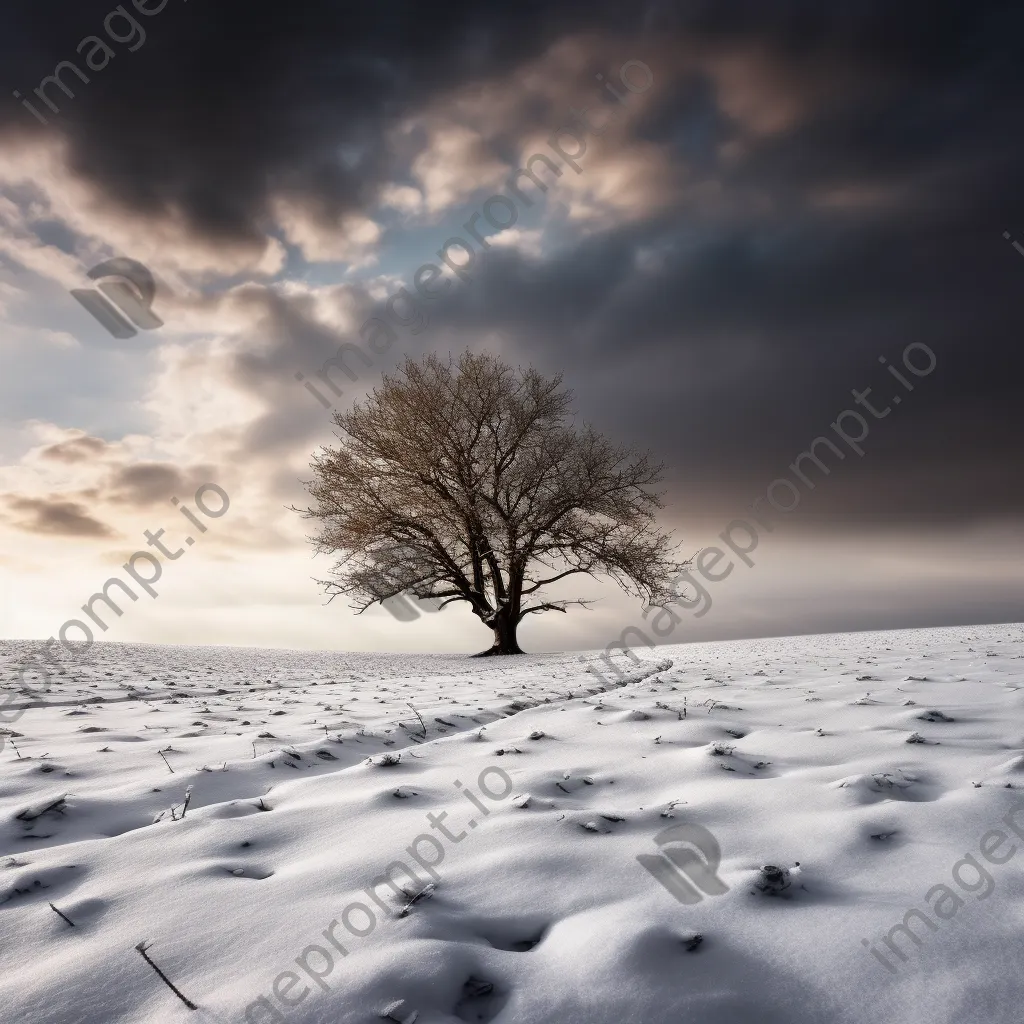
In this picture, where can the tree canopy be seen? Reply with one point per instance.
(471, 481)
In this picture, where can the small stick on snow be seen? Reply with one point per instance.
(420, 717)
(142, 947)
(169, 768)
(66, 918)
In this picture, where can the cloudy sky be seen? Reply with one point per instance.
(773, 197)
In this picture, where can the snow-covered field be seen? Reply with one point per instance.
(509, 801)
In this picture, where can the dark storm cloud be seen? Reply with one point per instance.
(873, 221)
(860, 207)
(224, 100)
(731, 353)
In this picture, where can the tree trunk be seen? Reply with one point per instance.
(504, 625)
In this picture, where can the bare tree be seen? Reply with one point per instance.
(470, 481)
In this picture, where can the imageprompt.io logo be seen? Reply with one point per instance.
(405, 606)
(126, 301)
(688, 863)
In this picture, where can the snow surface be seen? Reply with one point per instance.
(310, 774)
